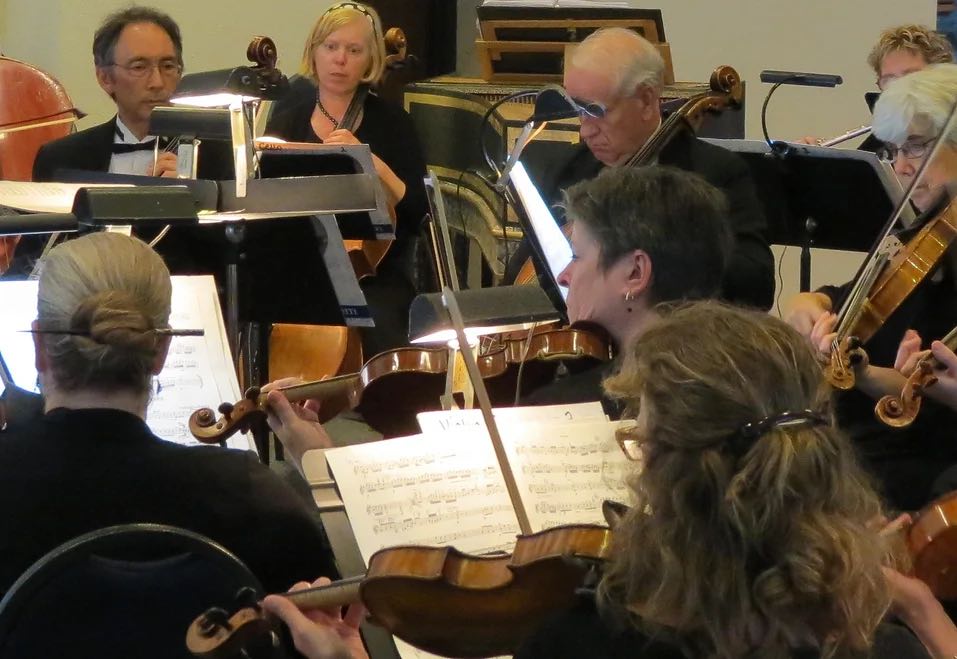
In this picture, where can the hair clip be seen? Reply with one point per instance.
(755, 429)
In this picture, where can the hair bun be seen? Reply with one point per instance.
(115, 318)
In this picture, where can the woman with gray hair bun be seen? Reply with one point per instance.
(91, 461)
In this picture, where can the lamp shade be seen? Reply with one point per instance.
(191, 122)
(484, 310)
(224, 86)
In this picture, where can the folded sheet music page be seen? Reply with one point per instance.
(198, 371)
(446, 488)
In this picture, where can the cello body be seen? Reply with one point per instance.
(34, 109)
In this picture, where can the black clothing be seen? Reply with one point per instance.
(390, 134)
(74, 471)
(582, 387)
(186, 250)
(906, 460)
(749, 279)
(581, 633)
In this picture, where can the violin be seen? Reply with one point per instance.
(394, 386)
(900, 411)
(34, 109)
(932, 544)
(439, 599)
(726, 90)
(896, 272)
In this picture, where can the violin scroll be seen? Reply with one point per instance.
(900, 411)
(725, 80)
(839, 370)
(239, 417)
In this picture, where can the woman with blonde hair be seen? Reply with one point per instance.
(752, 527)
(343, 60)
(101, 334)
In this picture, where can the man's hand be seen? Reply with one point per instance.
(165, 165)
(320, 633)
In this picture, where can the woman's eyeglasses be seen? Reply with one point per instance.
(910, 149)
(629, 441)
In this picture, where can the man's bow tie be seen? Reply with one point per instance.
(121, 147)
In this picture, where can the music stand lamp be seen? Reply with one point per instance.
(485, 311)
(239, 90)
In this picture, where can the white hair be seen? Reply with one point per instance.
(110, 291)
(917, 104)
(631, 59)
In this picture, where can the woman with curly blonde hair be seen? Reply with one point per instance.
(752, 530)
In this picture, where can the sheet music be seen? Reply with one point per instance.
(44, 197)
(444, 420)
(446, 488)
(197, 374)
(554, 244)
(564, 471)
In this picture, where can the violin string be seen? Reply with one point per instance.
(521, 364)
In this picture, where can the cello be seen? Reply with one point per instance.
(34, 109)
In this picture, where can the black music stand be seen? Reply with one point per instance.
(817, 196)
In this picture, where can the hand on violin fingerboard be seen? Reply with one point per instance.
(321, 633)
(296, 425)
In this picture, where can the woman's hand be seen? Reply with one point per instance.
(296, 425)
(394, 186)
(321, 633)
(909, 353)
(804, 309)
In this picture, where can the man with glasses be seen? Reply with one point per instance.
(616, 78)
(909, 118)
(138, 59)
(138, 55)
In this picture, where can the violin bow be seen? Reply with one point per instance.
(481, 393)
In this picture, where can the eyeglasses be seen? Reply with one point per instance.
(141, 69)
(359, 8)
(592, 109)
(909, 149)
(629, 441)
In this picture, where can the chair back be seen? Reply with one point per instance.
(123, 591)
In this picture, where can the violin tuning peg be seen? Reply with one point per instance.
(213, 620)
(226, 409)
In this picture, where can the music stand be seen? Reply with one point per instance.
(817, 196)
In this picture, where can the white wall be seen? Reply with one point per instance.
(812, 35)
(57, 35)
(823, 36)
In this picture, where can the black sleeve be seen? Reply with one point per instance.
(390, 134)
(289, 543)
(44, 163)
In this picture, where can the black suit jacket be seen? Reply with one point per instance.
(749, 278)
(92, 149)
(74, 471)
(186, 250)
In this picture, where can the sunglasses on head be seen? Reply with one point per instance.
(359, 8)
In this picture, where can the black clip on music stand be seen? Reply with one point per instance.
(817, 196)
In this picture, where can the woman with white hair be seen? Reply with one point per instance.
(909, 118)
(101, 334)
